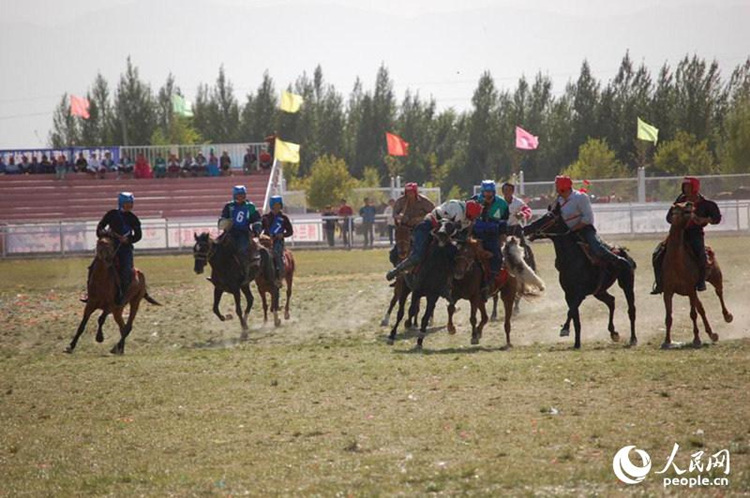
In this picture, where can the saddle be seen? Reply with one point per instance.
(594, 260)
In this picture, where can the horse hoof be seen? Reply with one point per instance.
(615, 336)
(697, 343)
(474, 340)
(633, 343)
(389, 341)
(506, 347)
(244, 336)
(564, 332)
(451, 330)
(115, 350)
(228, 316)
(493, 318)
(714, 336)
(728, 318)
(277, 322)
(68, 350)
(100, 338)
(418, 347)
(286, 315)
(384, 323)
(666, 345)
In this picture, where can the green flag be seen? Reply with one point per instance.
(647, 132)
(181, 107)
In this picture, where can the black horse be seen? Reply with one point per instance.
(429, 281)
(579, 277)
(228, 274)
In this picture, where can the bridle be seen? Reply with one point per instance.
(553, 220)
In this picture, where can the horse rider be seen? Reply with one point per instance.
(241, 220)
(704, 212)
(460, 214)
(124, 227)
(408, 211)
(519, 213)
(277, 225)
(491, 223)
(576, 211)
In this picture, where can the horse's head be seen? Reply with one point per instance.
(548, 225)
(444, 232)
(200, 251)
(403, 241)
(470, 252)
(105, 250)
(265, 241)
(681, 213)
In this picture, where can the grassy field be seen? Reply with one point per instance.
(321, 405)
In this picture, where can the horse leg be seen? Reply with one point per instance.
(99, 331)
(667, 320)
(517, 305)
(387, 316)
(451, 309)
(116, 349)
(81, 327)
(249, 298)
(399, 317)
(217, 300)
(718, 283)
(702, 312)
(275, 305)
(609, 300)
(573, 303)
(265, 304)
(493, 318)
(482, 305)
(429, 309)
(473, 321)
(289, 279)
(411, 320)
(508, 294)
(627, 286)
(694, 318)
(240, 314)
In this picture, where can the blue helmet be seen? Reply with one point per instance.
(276, 199)
(488, 186)
(237, 190)
(123, 198)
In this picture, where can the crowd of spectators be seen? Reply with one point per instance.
(102, 165)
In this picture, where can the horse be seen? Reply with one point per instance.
(267, 283)
(227, 274)
(429, 281)
(530, 260)
(680, 275)
(102, 294)
(580, 277)
(403, 245)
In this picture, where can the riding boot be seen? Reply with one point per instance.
(120, 296)
(701, 285)
(406, 264)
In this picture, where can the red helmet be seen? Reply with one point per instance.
(411, 187)
(691, 180)
(473, 210)
(563, 183)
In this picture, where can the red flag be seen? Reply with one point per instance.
(525, 140)
(397, 146)
(79, 106)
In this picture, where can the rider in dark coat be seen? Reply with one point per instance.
(125, 228)
(240, 220)
(277, 226)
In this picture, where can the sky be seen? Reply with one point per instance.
(438, 48)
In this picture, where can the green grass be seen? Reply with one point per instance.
(322, 406)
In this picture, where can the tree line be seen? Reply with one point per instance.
(703, 116)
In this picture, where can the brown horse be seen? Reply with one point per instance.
(102, 291)
(680, 275)
(403, 246)
(266, 285)
(472, 262)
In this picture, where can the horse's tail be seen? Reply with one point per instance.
(148, 298)
(529, 283)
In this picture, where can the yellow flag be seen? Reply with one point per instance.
(286, 151)
(291, 102)
(647, 132)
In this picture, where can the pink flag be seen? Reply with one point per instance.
(79, 106)
(525, 140)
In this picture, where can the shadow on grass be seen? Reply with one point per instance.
(412, 333)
